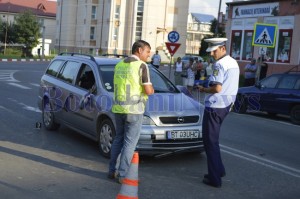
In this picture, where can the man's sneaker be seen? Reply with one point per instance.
(120, 180)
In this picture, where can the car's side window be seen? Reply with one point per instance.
(86, 78)
(69, 72)
(54, 67)
(287, 82)
(297, 85)
(270, 82)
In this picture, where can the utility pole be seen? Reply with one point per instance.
(60, 18)
(217, 25)
(43, 43)
(5, 39)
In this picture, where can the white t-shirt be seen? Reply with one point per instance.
(178, 67)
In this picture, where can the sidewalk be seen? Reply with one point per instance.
(22, 60)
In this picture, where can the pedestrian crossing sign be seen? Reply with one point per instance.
(264, 35)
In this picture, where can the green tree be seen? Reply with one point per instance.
(27, 31)
(7, 33)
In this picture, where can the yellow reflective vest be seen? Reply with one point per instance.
(129, 96)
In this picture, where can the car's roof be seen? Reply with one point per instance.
(99, 60)
(106, 60)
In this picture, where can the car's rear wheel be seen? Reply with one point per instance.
(48, 117)
(295, 114)
(106, 135)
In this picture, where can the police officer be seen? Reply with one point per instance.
(222, 92)
(132, 86)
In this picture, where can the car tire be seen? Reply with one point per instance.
(106, 135)
(48, 117)
(271, 114)
(295, 114)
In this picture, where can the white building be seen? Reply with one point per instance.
(101, 26)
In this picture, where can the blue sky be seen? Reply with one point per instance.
(207, 6)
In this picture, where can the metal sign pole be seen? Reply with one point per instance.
(170, 67)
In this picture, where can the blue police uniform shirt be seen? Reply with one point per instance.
(226, 72)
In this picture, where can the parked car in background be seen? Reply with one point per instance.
(77, 91)
(275, 94)
(185, 59)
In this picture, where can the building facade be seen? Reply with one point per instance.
(278, 26)
(198, 27)
(46, 14)
(112, 26)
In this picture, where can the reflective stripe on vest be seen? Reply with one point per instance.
(128, 91)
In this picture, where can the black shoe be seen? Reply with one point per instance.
(223, 175)
(209, 183)
(111, 175)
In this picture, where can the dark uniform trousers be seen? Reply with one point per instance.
(212, 120)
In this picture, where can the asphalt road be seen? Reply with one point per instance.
(261, 155)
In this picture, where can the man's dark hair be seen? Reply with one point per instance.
(139, 44)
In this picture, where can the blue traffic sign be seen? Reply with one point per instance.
(173, 36)
(264, 35)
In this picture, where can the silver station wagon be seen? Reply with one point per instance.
(77, 91)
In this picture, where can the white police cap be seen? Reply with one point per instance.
(214, 43)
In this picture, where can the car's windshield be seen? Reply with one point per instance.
(160, 83)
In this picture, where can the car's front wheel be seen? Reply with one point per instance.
(106, 135)
(48, 117)
(295, 114)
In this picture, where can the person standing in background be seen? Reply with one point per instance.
(156, 59)
(250, 72)
(179, 65)
(221, 94)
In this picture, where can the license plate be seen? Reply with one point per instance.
(173, 135)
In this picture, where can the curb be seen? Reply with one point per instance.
(23, 60)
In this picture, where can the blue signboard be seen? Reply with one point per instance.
(264, 35)
(173, 36)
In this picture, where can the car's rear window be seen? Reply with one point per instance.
(54, 67)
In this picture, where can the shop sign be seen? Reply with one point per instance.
(255, 10)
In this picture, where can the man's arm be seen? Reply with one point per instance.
(212, 89)
(148, 89)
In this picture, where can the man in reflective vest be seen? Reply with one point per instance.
(132, 86)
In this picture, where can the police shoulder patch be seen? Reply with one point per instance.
(215, 72)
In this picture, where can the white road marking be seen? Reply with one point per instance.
(18, 85)
(8, 75)
(35, 84)
(30, 108)
(262, 161)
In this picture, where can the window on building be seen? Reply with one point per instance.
(94, 12)
(236, 42)
(139, 20)
(92, 33)
(117, 12)
(284, 46)
(247, 45)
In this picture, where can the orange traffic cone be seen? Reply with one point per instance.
(129, 188)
